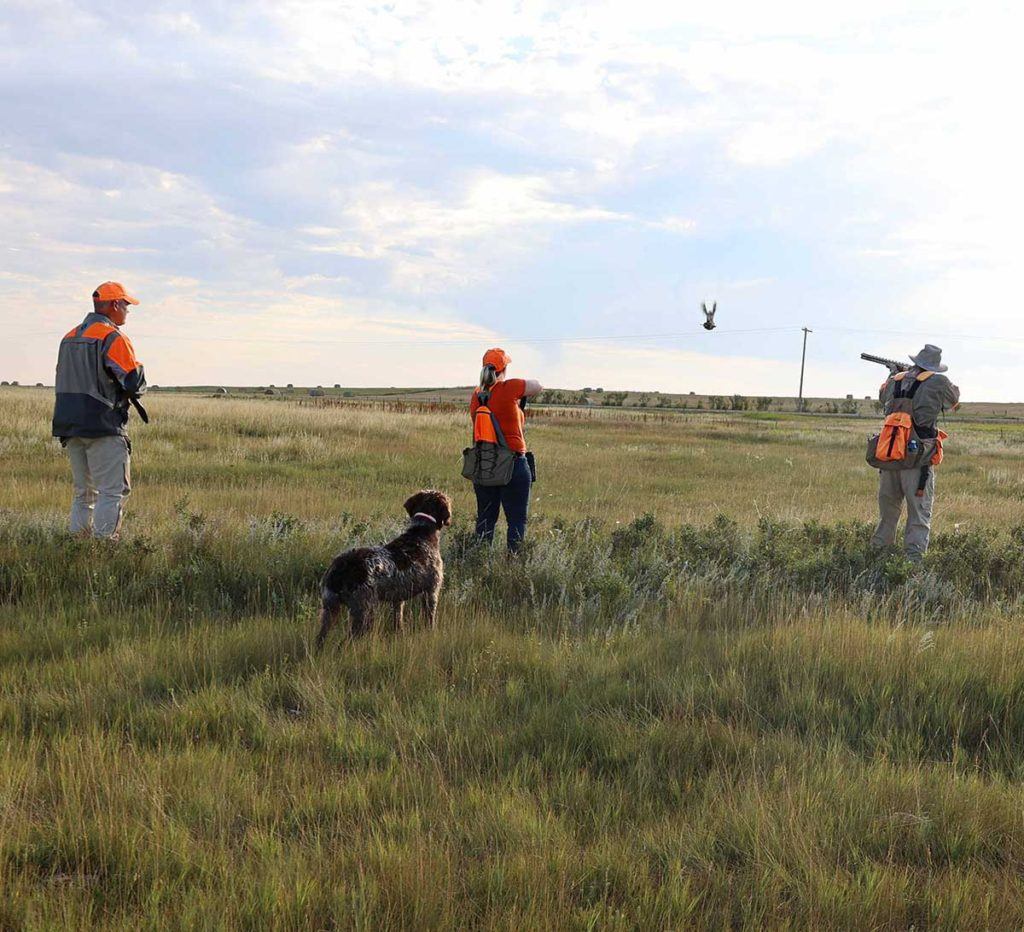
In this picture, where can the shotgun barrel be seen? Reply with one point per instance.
(892, 365)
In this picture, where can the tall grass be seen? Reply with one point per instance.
(644, 722)
(232, 459)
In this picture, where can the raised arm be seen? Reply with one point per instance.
(883, 389)
(533, 387)
(950, 397)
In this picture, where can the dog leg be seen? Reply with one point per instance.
(362, 618)
(398, 615)
(329, 611)
(430, 604)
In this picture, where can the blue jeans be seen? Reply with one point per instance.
(514, 498)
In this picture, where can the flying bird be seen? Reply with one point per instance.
(709, 324)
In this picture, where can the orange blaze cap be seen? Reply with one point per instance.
(113, 291)
(497, 358)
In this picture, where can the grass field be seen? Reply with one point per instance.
(860, 405)
(697, 701)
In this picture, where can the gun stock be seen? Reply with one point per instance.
(137, 405)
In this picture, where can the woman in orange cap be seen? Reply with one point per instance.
(504, 396)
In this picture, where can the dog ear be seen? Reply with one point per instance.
(446, 510)
(414, 503)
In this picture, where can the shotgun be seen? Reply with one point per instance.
(137, 405)
(891, 364)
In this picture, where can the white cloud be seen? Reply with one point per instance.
(433, 243)
(773, 143)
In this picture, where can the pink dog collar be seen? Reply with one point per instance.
(420, 514)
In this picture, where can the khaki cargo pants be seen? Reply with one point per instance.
(101, 472)
(896, 487)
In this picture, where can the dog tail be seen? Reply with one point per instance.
(330, 608)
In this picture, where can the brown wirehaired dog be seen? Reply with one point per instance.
(409, 566)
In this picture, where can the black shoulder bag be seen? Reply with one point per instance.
(488, 463)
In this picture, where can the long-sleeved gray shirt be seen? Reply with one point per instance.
(934, 395)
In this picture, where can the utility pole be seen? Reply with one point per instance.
(803, 360)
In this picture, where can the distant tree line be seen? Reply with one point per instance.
(552, 396)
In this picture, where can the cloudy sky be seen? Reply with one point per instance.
(315, 191)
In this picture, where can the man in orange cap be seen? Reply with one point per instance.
(97, 376)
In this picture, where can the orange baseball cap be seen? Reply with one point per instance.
(113, 291)
(497, 358)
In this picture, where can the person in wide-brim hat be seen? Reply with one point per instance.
(925, 393)
(930, 359)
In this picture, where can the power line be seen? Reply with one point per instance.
(936, 334)
(460, 342)
(583, 338)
